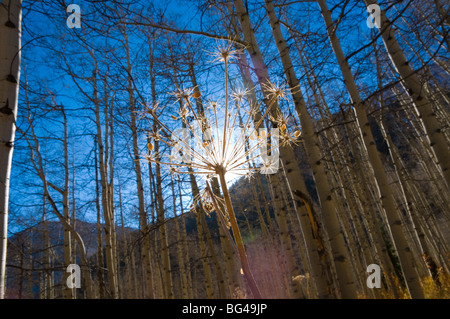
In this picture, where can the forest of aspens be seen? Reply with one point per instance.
(224, 149)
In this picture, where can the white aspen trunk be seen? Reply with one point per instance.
(218, 269)
(288, 158)
(166, 283)
(341, 256)
(10, 56)
(48, 277)
(417, 92)
(68, 293)
(384, 190)
(137, 166)
(250, 86)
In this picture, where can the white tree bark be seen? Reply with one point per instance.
(10, 36)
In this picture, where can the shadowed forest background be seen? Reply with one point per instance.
(362, 115)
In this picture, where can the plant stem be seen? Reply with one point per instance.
(226, 111)
(237, 236)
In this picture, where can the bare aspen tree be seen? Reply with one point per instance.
(199, 210)
(68, 257)
(287, 156)
(10, 38)
(340, 253)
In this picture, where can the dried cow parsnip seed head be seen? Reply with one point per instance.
(224, 137)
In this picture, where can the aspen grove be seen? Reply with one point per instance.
(189, 149)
